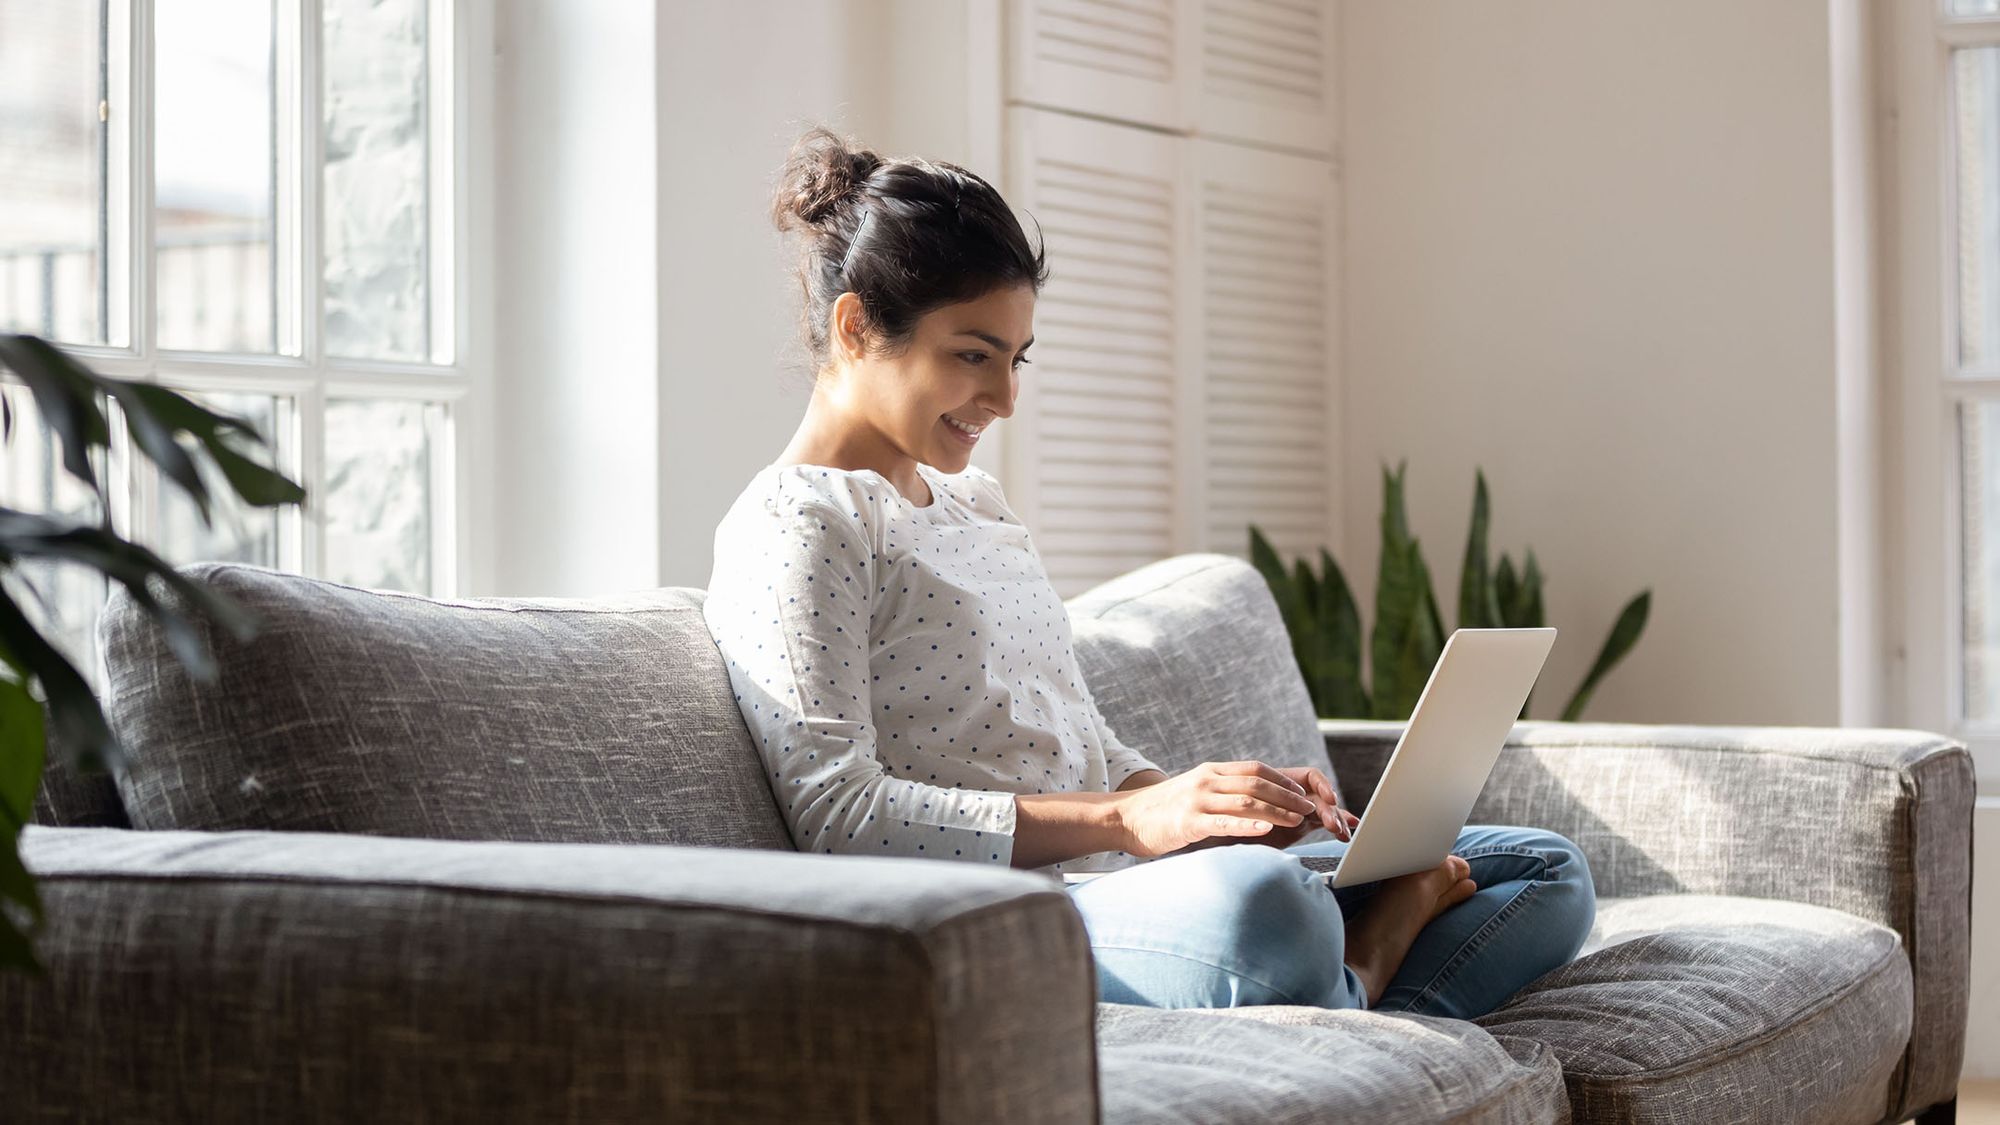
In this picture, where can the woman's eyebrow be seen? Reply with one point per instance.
(995, 340)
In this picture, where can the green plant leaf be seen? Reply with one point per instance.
(1408, 634)
(1624, 634)
(1528, 612)
(160, 411)
(1396, 597)
(1506, 588)
(1478, 605)
(1405, 607)
(1338, 657)
(16, 951)
(24, 534)
(73, 710)
(65, 394)
(1291, 605)
(23, 744)
(1395, 522)
(1422, 643)
(1308, 587)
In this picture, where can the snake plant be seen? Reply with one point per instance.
(171, 431)
(1409, 633)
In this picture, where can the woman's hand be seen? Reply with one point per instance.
(1336, 820)
(1241, 800)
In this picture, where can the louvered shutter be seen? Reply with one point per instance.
(1118, 58)
(1266, 72)
(1267, 281)
(1094, 448)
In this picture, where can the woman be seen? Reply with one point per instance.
(906, 667)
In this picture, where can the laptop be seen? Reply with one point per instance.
(1441, 762)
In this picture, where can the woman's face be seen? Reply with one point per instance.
(963, 362)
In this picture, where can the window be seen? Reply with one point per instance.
(1946, 67)
(259, 203)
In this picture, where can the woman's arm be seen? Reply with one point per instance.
(1142, 779)
(1052, 827)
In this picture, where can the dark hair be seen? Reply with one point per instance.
(906, 236)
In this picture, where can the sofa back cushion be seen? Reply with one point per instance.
(600, 720)
(1190, 661)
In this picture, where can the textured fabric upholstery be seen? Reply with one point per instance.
(70, 797)
(1190, 662)
(1694, 1009)
(1292, 1065)
(1877, 823)
(331, 973)
(599, 720)
(307, 977)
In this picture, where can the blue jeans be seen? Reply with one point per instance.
(1241, 924)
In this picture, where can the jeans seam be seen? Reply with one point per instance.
(1471, 945)
(1288, 997)
(1468, 948)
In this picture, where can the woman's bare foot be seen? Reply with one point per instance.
(1380, 937)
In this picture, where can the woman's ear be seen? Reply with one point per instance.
(847, 323)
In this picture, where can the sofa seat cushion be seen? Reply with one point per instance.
(1285, 1064)
(603, 720)
(1714, 1008)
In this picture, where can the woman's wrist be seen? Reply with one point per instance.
(1140, 780)
(1052, 827)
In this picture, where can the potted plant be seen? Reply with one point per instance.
(1409, 634)
(45, 702)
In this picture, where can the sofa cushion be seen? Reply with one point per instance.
(74, 798)
(591, 720)
(1190, 662)
(1716, 1008)
(1284, 1064)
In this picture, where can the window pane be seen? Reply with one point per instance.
(1975, 7)
(32, 479)
(378, 492)
(376, 186)
(240, 533)
(1976, 82)
(215, 179)
(51, 171)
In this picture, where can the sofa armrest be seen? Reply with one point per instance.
(1876, 822)
(276, 976)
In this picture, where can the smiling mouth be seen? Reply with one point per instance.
(953, 425)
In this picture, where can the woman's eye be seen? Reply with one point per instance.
(973, 357)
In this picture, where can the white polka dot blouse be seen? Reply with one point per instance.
(904, 670)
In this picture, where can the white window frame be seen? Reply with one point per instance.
(310, 378)
(1931, 382)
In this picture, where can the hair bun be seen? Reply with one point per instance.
(821, 176)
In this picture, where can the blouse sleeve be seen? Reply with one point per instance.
(788, 606)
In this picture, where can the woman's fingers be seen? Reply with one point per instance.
(1249, 810)
(1226, 825)
(1251, 767)
(1267, 794)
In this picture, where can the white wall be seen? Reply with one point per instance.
(576, 458)
(1590, 247)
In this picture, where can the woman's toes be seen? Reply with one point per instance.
(1459, 867)
(1460, 891)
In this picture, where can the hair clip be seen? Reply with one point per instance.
(854, 240)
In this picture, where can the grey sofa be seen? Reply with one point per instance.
(516, 860)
